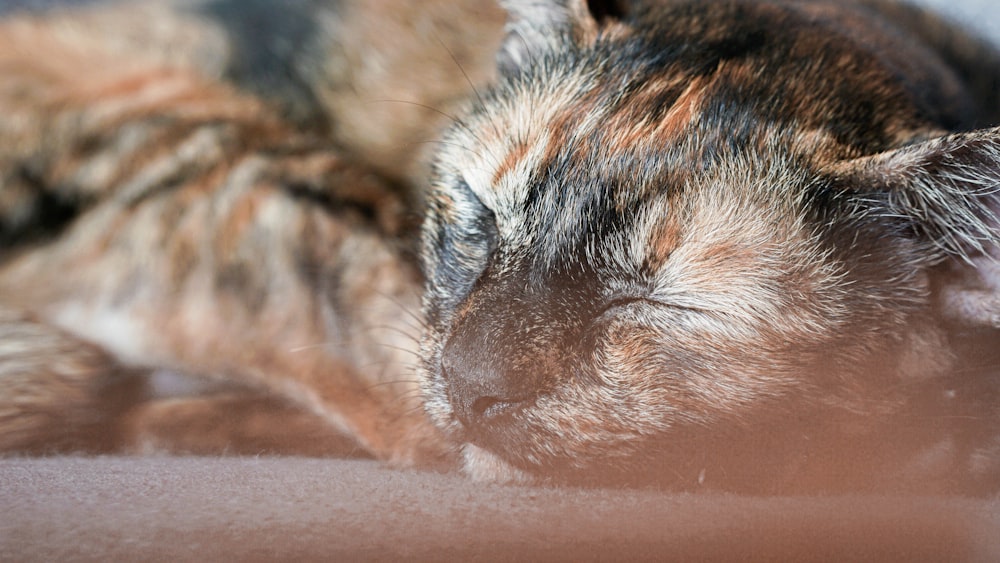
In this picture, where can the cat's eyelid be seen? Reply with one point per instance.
(464, 199)
(469, 193)
(625, 299)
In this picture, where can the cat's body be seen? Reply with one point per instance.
(185, 226)
(683, 243)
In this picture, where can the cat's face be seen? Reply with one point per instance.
(588, 297)
(612, 282)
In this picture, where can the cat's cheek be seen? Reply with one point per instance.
(435, 402)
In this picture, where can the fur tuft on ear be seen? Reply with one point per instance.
(537, 27)
(946, 191)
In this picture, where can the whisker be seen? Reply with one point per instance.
(405, 322)
(453, 118)
(457, 122)
(411, 391)
(394, 382)
(421, 322)
(305, 347)
(411, 337)
(468, 80)
(399, 348)
(449, 144)
(406, 367)
(531, 99)
(418, 408)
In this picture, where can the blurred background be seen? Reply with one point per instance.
(983, 15)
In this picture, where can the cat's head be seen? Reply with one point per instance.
(627, 274)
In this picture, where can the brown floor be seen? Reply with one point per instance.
(247, 508)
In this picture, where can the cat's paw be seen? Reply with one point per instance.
(972, 295)
(481, 465)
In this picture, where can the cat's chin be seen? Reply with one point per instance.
(485, 466)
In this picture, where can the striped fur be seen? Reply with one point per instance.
(202, 234)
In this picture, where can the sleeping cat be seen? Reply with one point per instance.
(732, 244)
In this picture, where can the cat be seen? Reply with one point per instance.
(729, 244)
(693, 242)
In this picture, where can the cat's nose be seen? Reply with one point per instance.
(498, 353)
(482, 397)
(485, 385)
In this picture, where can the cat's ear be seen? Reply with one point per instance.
(945, 193)
(537, 27)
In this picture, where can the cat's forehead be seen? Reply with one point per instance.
(581, 123)
(612, 162)
(514, 137)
